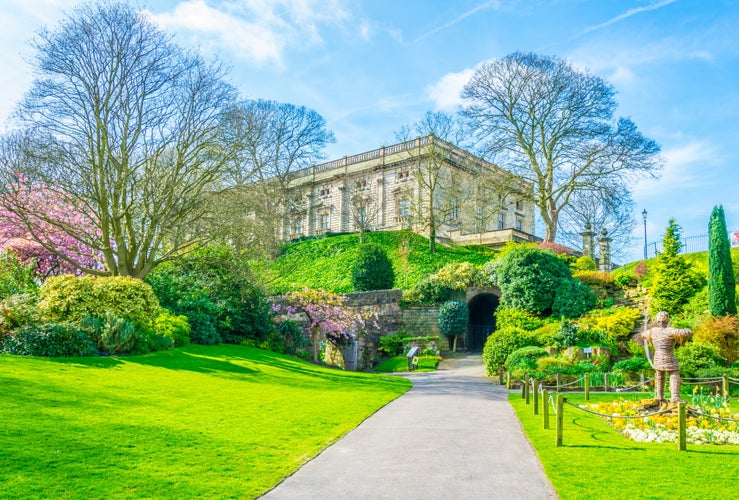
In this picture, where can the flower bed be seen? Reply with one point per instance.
(663, 428)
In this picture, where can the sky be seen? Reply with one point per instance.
(371, 66)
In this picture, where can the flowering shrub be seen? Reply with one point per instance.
(327, 316)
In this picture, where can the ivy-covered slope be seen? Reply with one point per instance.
(326, 262)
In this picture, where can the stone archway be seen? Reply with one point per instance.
(482, 305)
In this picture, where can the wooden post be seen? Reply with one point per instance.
(526, 391)
(536, 396)
(558, 381)
(508, 381)
(587, 386)
(560, 419)
(605, 381)
(545, 408)
(725, 385)
(682, 426)
(641, 381)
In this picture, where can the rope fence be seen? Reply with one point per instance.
(553, 402)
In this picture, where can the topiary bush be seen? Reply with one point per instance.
(501, 343)
(617, 322)
(49, 339)
(372, 270)
(71, 298)
(529, 278)
(573, 299)
(721, 279)
(454, 316)
(524, 358)
(585, 263)
(519, 318)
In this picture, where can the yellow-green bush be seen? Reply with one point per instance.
(721, 332)
(174, 327)
(617, 322)
(458, 275)
(594, 278)
(71, 298)
(553, 363)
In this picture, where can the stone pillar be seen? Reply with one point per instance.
(345, 209)
(382, 203)
(310, 229)
(604, 263)
(588, 241)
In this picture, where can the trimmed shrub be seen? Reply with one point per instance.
(506, 317)
(573, 299)
(71, 298)
(454, 316)
(458, 275)
(722, 333)
(49, 339)
(585, 263)
(501, 343)
(393, 345)
(616, 322)
(524, 358)
(695, 356)
(372, 269)
(428, 290)
(529, 278)
(174, 327)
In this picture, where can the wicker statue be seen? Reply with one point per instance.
(663, 339)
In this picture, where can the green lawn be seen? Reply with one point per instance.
(215, 422)
(597, 462)
(400, 364)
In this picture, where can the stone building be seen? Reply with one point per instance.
(396, 187)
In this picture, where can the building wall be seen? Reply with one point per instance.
(386, 176)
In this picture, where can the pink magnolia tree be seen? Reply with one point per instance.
(328, 316)
(39, 226)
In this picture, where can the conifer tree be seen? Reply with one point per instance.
(721, 279)
(675, 281)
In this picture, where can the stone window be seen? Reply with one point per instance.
(519, 205)
(519, 224)
(325, 191)
(454, 212)
(361, 184)
(403, 175)
(501, 220)
(325, 222)
(298, 227)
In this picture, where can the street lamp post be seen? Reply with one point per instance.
(644, 218)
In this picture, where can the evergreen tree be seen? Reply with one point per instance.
(372, 269)
(675, 281)
(721, 279)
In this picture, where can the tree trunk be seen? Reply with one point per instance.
(316, 341)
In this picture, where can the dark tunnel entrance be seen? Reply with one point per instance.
(482, 320)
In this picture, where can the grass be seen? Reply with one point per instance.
(597, 462)
(325, 262)
(216, 422)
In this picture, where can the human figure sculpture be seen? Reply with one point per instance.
(663, 339)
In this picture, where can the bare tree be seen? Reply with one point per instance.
(552, 124)
(275, 141)
(611, 209)
(364, 206)
(125, 126)
(439, 192)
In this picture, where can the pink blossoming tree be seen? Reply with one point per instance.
(327, 316)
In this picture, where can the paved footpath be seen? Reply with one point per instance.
(452, 436)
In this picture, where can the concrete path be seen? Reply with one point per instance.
(452, 436)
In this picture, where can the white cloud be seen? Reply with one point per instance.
(684, 166)
(254, 30)
(628, 14)
(446, 92)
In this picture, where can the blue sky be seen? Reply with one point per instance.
(371, 66)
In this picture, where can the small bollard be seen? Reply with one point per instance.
(642, 382)
(545, 407)
(536, 396)
(558, 381)
(725, 385)
(587, 386)
(508, 381)
(605, 382)
(526, 391)
(559, 420)
(681, 427)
